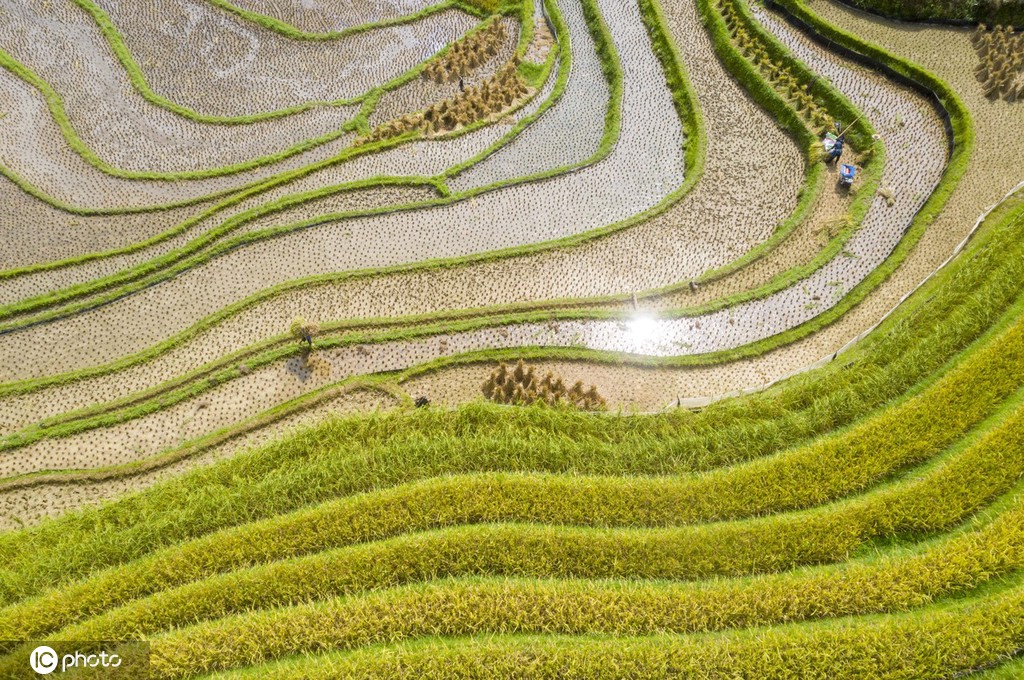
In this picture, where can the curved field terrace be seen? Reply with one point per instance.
(513, 338)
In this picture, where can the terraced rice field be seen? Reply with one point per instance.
(266, 264)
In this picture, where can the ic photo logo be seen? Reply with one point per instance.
(44, 660)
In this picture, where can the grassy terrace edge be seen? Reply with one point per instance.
(694, 160)
(945, 11)
(793, 275)
(139, 82)
(291, 31)
(219, 436)
(767, 97)
(835, 466)
(123, 511)
(161, 263)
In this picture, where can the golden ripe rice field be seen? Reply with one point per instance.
(511, 339)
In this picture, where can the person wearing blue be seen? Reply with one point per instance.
(837, 150)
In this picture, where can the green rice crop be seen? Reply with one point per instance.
(861, 520)
(930, 643)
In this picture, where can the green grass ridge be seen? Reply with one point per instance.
(796, 127)
(863, 519)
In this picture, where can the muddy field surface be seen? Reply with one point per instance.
(743, 195)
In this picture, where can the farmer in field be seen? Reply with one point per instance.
(837, 149)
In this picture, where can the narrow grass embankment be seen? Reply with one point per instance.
(231, 198)
(763, 84)
(163, 389)
(806, 106)
(235, 196)
(56, 105)
(50, 430)
(88, 295)
(681, 94)
(291, 31)
(973, 408)
(962, 302)
(980, 471)
(908, 509)
(139, 82)
(791, 335)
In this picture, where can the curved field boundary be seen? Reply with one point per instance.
(960, 400)
(893, 508)
(307, 523)
(56, 106)
(345, 336)
(490, 595)
(291, 31)
(669, 142)
(943, 13)
(261, 186)
(138, 79)
(925, 216)
(260, 495)
(776, 238)
(277, 633)
(41, 195)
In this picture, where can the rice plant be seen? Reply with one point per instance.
(564, 411)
